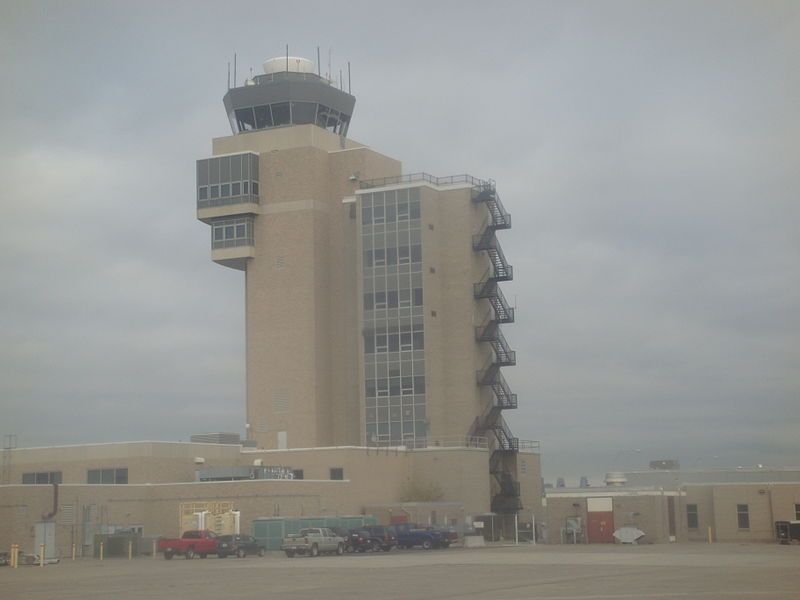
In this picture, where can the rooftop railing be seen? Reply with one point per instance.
(426, 177)
(531, 446)
(455, 441)
(290, 76)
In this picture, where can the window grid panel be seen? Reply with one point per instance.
(393, 412)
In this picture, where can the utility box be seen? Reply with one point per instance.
(115, 545)
(787, 532)
(45, 533)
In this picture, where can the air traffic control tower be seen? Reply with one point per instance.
(373, 300)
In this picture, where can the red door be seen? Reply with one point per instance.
(600, 521)
(600, 527)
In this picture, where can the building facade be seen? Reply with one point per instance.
(373, 300)
(669, 505)
(374, 347)
(150, 486)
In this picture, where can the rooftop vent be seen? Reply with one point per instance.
(665, 465)
(615, 479)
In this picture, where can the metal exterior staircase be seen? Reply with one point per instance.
(491, 423)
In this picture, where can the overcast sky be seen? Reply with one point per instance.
(649, 153)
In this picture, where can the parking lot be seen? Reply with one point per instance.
(719, 571)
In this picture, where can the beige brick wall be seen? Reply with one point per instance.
(530, 479)
(785, 497)
(304, 351)
(703, 497)
(646, 510)
(372, 477)
(302, 298)
(450, 268)
(766, 503)
(147, 462)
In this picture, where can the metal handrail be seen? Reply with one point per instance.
(501, 383)
(502, 344)
(501, 426)
(235, 243)
(453, 441)
(498, 251)
(530, 445)
(427, 177)
(290, 76)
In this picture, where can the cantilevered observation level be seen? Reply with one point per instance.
(288, 93)
(228, 186)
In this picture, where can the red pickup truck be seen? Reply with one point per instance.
(190, 544)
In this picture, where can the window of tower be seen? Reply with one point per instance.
(224, 180)
(402, 211)
(380, 299)
(322, 115)
(344, 124)
(263, 117)
(303, 112)
(290, 113)
(333, 120)
(394, 354)
(281, 114)
(379, 257)
(245, 119)
(229, 233)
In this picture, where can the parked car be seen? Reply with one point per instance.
(313, 541)
(410, 535)
(239, 546)
(192, 543)
(361, 540)
(449, 534)
(385, 536)
(344, 534)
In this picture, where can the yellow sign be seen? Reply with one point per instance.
(213, 515)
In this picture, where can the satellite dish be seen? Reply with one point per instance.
(628, 535)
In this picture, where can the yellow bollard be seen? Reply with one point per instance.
(14, 555)
(710, 540)
(41, 555)
(130, 549)
(101, 550)
(155, 548)
(73, 551)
